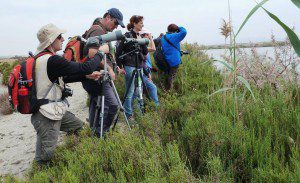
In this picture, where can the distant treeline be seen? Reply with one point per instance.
(16, 57)
(243, 45)
(201, 47)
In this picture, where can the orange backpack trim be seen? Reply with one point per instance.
(13, 86)
(74, 50)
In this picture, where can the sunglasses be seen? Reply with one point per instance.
(59, 37)
(116, 22)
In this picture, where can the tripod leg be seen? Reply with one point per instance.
(133, 75)
(102, 115)
(144, 85)
(96, 115)
(120, 105)
(140, 85)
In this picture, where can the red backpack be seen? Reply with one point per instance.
(21, 86)
(74, 50)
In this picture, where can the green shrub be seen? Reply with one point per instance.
(5, 69)
(129, 158)
(191, 138)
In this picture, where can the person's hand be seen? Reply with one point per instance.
(104, 48)
(121, 71)
(95, 75)
(92, 52)
(149, 77)
(112, 74)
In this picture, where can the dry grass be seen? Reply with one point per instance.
(269, 68)
(225, 28)
(5, 107)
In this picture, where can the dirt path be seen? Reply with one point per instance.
(18, 138)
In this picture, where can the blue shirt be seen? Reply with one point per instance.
(148, 61)
(172, 55)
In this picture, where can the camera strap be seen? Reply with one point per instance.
(48, 91)
(171, 43)
(130, 34)
(43, 100)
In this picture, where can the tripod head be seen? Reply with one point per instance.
(105, 76)
(133, 47)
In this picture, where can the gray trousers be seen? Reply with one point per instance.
(47, 131)
(170, 77)
(111, 108)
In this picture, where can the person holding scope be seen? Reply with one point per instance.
(130, 61)
(110, 21)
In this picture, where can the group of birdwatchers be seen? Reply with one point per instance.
(52, 71)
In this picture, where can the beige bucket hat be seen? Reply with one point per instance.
(47, 35)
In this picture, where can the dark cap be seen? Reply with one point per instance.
(115, 13)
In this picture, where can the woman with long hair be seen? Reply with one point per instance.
(130, 62)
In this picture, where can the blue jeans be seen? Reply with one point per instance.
(152, 89)
(129, 97)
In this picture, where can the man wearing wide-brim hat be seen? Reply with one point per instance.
(51, 72)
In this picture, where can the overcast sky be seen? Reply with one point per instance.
(21, 19)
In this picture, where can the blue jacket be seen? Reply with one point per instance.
(172, 55)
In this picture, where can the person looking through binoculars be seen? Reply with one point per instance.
(110, 21)
(130, 56)
(171, 50)
(151, 87)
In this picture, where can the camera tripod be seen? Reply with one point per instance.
(137, 78)
(101, 98)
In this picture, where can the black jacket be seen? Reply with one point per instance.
(58, 66)
(130, 59)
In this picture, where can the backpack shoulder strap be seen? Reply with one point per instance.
(43, 53)
(170, 43)
(93, 29)
(33, 71)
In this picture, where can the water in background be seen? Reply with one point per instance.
(216, 54)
